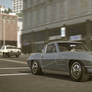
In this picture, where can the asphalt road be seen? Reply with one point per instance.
(15, 76)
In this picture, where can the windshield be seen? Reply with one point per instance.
(72, 47)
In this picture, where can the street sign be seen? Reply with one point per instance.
(76, 37)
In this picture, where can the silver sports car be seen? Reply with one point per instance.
(63, 57)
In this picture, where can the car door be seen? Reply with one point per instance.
(49, 58)
(61, 60)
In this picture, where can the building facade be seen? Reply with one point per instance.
(8, 29)
(2, 9)
(17, 6)
(45, 18)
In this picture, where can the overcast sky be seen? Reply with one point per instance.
(6, 3)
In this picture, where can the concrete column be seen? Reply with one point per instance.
(67, 32)
(88, 34)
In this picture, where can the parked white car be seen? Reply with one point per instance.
(9, 50)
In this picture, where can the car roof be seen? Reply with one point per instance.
(9, 46)
(64, 42)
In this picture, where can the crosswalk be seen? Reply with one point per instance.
(15, 74)
(14, 68)
(14, 71)
(14, 61)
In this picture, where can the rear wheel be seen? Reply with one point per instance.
(6, 55)
(35, 68)
(78, 72)
(17, 55)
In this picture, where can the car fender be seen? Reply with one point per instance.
(34, 57)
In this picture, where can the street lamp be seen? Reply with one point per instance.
(3, 29)
(63, 31)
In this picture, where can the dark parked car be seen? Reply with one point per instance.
(71, 58)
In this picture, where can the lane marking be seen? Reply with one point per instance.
(14, 61)
(16, 74)
(14, 68)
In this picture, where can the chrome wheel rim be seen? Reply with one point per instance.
(34, 67)
(76, 70)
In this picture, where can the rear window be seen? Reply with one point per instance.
(11, 48)
(72, 47)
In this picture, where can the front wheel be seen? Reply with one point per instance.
(35, 68)
(78, 72)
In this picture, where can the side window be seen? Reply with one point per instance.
(51, 48)
(62, 48)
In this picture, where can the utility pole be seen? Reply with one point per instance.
(3, 30)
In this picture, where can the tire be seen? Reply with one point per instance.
(6, 55)
(78, 72)
(17, 56)
(35, 68)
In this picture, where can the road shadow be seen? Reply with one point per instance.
(90, 79)
(55, 76)
(63, 77)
